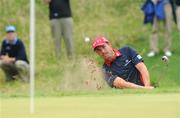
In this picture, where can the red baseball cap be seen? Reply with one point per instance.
(99, 41)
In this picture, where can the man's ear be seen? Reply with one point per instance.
(109, 44)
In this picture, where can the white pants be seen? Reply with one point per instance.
(63, 28)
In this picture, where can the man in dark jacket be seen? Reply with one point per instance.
(123, 68)
(13, 59)
(61, 25)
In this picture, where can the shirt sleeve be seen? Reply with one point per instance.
(134, 56)
(21, 53)
(109, 77)
(3, 52)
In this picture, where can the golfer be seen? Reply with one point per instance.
(123, 68)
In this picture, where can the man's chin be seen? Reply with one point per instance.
(107, 57)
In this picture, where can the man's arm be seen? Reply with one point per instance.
(121, 83)
(144, 73)
(7, 59)
(3, 51)
(21, 53)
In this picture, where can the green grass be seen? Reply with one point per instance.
(136, 106)
(119, 20)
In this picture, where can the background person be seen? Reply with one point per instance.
(178, 13)
(61, 25)
(123, 68)
(13, 59)
(156, 11)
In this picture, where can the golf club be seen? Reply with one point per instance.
(165, 60)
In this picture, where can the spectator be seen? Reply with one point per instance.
(123, 68)
(13, 59)
(178, 13)
(156, 11)
(61, 25)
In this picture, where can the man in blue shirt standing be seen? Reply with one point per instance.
(123, 68)
(13, 59)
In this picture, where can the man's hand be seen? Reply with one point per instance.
(7, 60)
(149, 87)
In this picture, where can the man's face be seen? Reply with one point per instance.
(11, 36)
(105, 51)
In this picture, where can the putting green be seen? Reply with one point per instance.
(120, 106)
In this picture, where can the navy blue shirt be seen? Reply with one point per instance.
(124, 66)
(178, 2)
(15, 49)
(59, 9)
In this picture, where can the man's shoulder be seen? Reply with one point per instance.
(129, 51)
(124, 49)
(4, 41)
(19, 41)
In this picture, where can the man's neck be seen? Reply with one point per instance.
(13, 41)
(109, 61)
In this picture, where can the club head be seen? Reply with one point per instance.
(165, 59)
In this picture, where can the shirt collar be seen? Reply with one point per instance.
(117, 54)
(14, 41)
